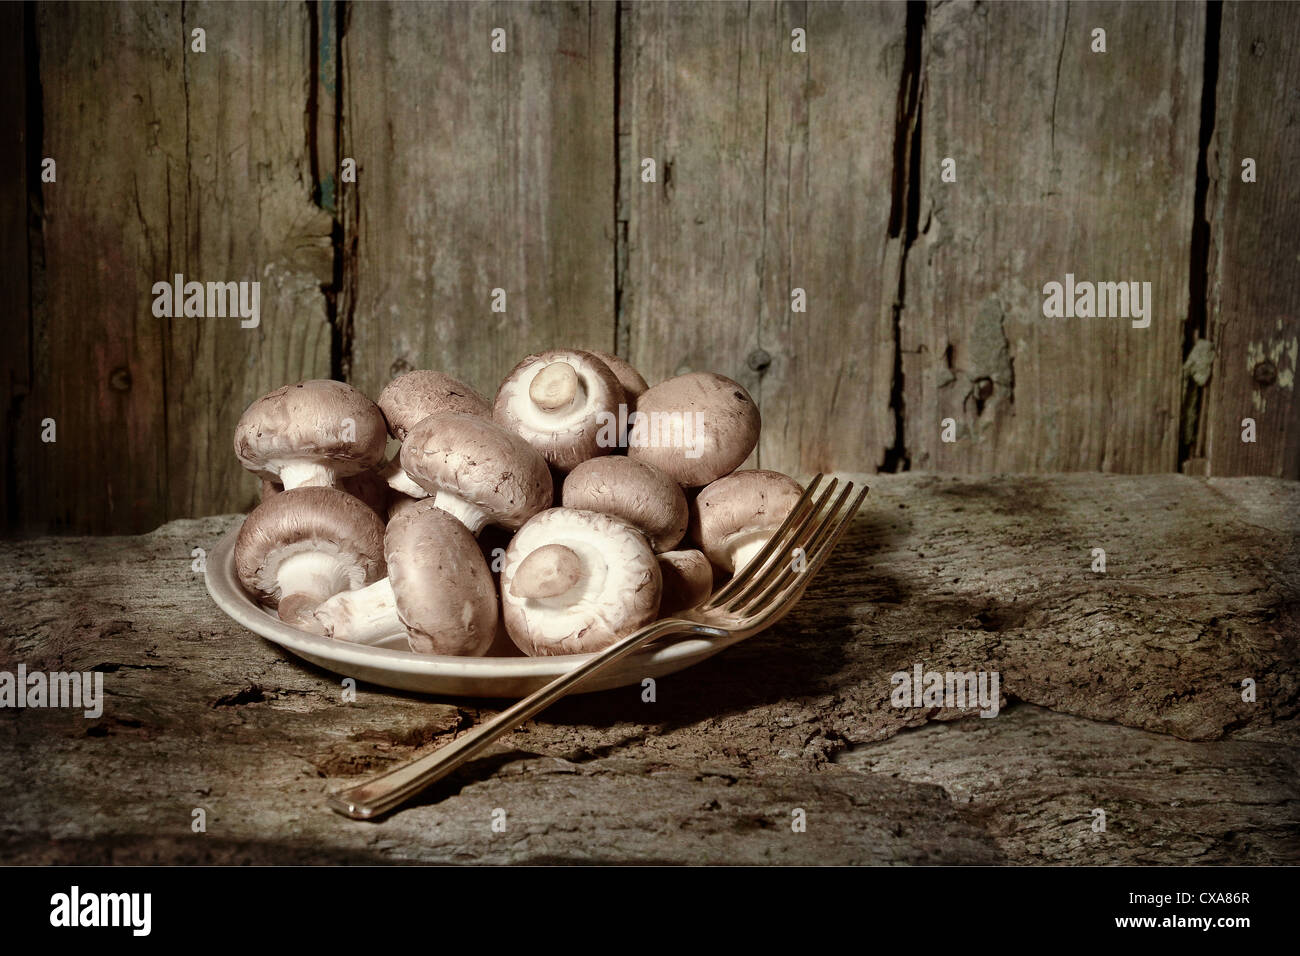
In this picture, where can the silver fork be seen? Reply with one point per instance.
(760, 594)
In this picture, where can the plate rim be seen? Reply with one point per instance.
(219, 572)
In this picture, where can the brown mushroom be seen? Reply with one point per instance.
(631, 380)
(575, 582)
(695, 428)
(311, 433)
(419, 393)
(414, 396)
(734, 516)
(688, 580)
(562, 402)
(300, 547)
(477, 470)
(641, 495)
(438, 590)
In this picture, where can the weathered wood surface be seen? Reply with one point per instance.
(1254, 285)
(168, 161)
(476, 171)
(772, 173)
(1141, 668)
(1053, 177)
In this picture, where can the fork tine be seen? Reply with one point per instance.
(792, 582)
(798, 515)
(759, 580)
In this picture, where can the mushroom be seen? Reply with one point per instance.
(366, 485)
(477, 470)
(695, 428)
(301, 546)
(631, 380)
(311, 433)
(734, 516)
(565, 403)
(413, 396)
(419, 393)
(438, 589)
(575, 582)
(639, 494)
(688, 580)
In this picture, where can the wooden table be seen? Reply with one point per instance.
(1121, 692)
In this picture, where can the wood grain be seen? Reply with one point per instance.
(114, 103)
(1067, 161)
(1254, 301)
(772, 174)
(248, 214)
(1140, 670)
(477, 171)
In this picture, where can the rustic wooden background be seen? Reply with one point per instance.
(775, 170)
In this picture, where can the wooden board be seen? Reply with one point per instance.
(114, 122)
(1139, 670)
(1067, 161)
(476, 171)
(17, 430)
(169, 161)
(247, 214)
(1254, 302)
(773, 173)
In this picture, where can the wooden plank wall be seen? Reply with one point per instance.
(1254, 261)
(775, 170)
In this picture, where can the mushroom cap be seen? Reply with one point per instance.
(695, 428)
(688, 580)
(641, 495)
(419, 393)
(308, 422)
(480, 461)
(742, 505)
(617, 593)
(632, 381)
(444, 592)
(308, 519)
(574, 433)
(366, 485)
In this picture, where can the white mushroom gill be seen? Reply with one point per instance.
(536, 421)
(601, 592)
(315, 568)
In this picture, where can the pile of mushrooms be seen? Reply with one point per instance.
(577, 506)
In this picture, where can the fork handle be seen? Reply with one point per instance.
(394, 787)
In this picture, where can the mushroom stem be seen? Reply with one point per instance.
(395, 476)
(299, 474)
(549, 571)
(470, 515)
(365, 616)
(555, 388)
(746, 547)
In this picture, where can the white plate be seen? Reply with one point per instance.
(389, 664)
